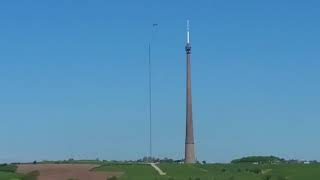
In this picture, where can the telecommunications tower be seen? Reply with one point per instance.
(189, 146)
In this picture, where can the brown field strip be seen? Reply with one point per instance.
(65, 171)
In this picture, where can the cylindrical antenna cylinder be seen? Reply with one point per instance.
(188, 30)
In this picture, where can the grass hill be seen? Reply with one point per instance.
(241, 171)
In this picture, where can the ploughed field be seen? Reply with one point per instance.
(53, 172)
(65, 171)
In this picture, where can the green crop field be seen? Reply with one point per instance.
(216, 172)
(239, 171)
(7, 172)
(9, 176)
(131, 171)
(295, 171)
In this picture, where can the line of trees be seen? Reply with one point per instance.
(259, 160)
(269, 160)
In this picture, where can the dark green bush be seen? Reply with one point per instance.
(255, 170)
(112, 178)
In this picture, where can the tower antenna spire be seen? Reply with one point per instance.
(188, 32)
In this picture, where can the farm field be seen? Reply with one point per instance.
(216, 172)
(65, 171)
(135, 171)
(132, 171)
(7, 172)
(9, 176)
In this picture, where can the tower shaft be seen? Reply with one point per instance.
(189, 144)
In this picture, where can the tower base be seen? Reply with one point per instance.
(189, 154)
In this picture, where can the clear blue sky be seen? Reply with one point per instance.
(73, 78)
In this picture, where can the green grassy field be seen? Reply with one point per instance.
(8, 172)
(196, 172)
(131, 171)
(216, 172)
(295, 171)
(207, 172)
(9, 176)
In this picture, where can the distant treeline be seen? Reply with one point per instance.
(259, 160)
(164, 160)
(269, 160)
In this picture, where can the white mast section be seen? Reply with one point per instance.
(188, 32)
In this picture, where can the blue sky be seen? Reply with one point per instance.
(73, 78)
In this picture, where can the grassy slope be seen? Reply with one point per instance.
(216, 172)
(7, 172)
(178, 172)
(207, 172)
(9, 176)
(131, 171)
(296, 171)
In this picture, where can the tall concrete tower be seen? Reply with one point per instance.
(189, 146)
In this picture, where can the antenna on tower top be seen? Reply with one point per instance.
(188, 32)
